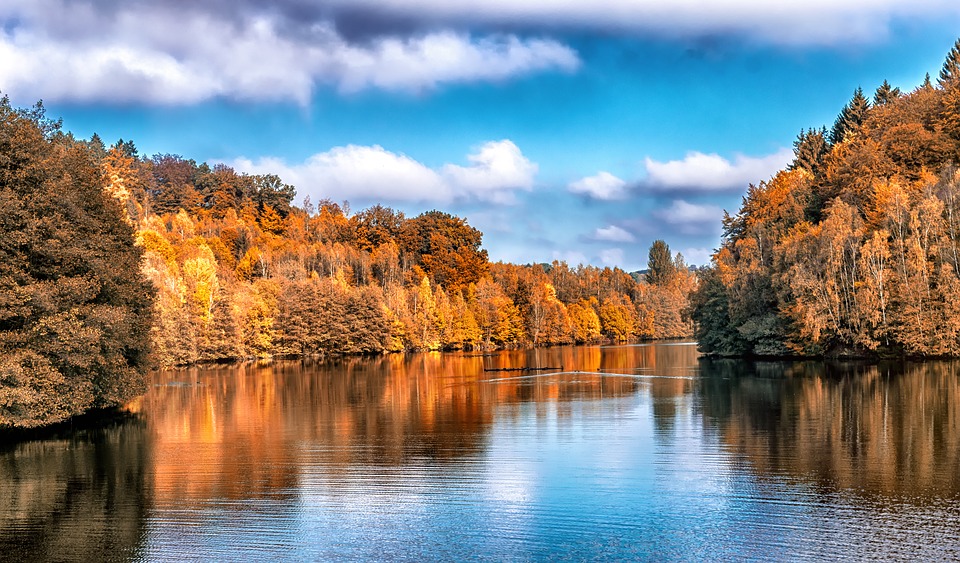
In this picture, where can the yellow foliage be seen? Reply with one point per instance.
(201, 277)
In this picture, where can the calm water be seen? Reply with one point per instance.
(634, 452)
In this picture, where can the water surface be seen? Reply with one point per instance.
(621, 452)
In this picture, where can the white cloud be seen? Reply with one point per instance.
(711, 172)
(603, 186)
(373, 173)
(154, 53)
(571, 257)
(613, 233)
(697, 256)
(782, 22)
(611, 257)
(357, 172)
(495, 171)
(689, 218)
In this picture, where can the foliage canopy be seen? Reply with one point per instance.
(75, 311)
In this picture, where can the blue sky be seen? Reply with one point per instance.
(560, 129)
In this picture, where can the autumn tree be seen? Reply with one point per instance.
(173, 184)
(75, 312)
(870, 265)
(376, 226)
(446, 248)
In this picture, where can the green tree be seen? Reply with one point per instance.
(851, 117)
(660, 265)
(950, 71)
(885, 94)
(714, 330)
(809, 150)
(75, 312)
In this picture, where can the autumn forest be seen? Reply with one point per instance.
(853, 249)
(108, 254)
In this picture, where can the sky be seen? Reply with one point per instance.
(563, 130)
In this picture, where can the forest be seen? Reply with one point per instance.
(852, 250)
(241, 272)
(112, 262)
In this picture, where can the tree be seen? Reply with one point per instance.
(376, 226)
(950, 71)
(660, 265)
(618, 319)
(885, 94)
(710, 308)
(809, 150)
(174, 186)
(851, 117)
(267, 190)
(446, 247)
(76, 312)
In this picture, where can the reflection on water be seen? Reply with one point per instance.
(80, 497)
(890, 430)
(620, 452)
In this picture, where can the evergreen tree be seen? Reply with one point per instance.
(851, 117)
(927, 85)
(660, 265)
(885, 94)
(714, 330)
(809, 150)
(951, 67)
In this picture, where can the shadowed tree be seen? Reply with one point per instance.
(809, 150)
(75, 312)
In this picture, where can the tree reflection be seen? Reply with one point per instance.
(247, 431)
(891, 429)
(77, 498)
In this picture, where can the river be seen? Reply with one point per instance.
(637, 452)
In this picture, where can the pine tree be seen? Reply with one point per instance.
(951, 67)
(660, 264)
(851, 117)
(885, 94)
(809, 150)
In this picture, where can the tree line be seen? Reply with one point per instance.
(241, 272)
(854, 248)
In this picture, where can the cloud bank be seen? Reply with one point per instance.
(690, 218)
(170, 53)
(179, 52)
(699, 172)
(496, 171)
(784, 22)
(604, 186)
